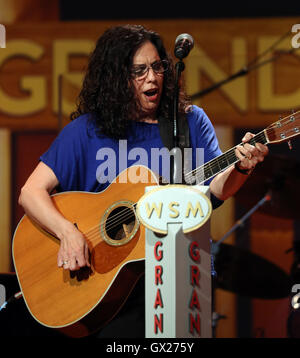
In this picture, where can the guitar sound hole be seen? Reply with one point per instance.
(120, 225)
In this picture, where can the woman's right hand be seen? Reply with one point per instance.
(74, 251)
(36, 201)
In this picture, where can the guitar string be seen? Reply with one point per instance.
(119, 218)
(213, 164)
(217, 160)
(127, 213)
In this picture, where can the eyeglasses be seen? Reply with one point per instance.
(159, 67)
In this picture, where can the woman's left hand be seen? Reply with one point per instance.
(250, 155)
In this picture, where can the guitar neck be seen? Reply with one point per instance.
(220, 163)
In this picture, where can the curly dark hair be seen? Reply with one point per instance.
(107, 92)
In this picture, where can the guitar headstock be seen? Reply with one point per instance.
(284, 129)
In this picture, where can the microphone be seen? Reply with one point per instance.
(183, 45)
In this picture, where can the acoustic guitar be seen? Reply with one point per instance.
(80, 302)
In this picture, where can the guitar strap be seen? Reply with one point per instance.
(166, 132)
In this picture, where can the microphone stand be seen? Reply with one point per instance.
(176, 174)
(215, 250)
(240, 222)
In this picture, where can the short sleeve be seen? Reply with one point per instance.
(64, 154)
(203, 136)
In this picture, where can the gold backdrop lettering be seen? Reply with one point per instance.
(37, 55)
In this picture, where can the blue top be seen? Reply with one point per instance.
(83, 161)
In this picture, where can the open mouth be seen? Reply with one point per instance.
(151, 93)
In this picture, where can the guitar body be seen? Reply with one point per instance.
(80, 302)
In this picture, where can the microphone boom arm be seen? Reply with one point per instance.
(245, 70)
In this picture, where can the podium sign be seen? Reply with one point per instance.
(178, 261)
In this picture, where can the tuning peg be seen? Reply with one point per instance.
(290, 144)
(292, 118)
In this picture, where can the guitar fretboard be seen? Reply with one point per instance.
(220, 163)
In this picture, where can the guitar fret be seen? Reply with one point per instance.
(223, 161)
(259, 138)
(218, 164)
(207, 171)
(215, 167)
(232, 157)
(267, 136)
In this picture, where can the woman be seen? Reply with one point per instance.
(129, 84)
